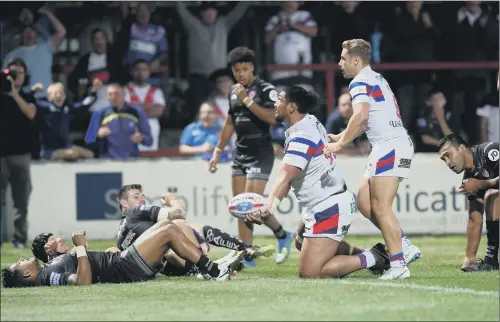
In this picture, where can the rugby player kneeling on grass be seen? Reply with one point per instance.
(328, 207)
(136, 264)
(480, 184)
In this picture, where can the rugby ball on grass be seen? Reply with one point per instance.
(247, 203)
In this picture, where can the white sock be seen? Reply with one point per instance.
(368, 258)
(397, 260)
(406, 242)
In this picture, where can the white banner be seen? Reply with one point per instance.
(72, 196)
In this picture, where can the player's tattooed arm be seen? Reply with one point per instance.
(474, 228)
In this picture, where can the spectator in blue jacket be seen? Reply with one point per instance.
(200, 138)
(53, 116)
(119, 128)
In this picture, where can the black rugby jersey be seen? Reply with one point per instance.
(251, 132)
(485, 156)
(135, 221)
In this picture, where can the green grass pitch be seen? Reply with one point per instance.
(437, 290)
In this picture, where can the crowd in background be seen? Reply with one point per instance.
(166, 64)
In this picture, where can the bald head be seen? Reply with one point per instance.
(345, 106)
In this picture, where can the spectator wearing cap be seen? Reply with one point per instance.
(207, 44)
(117, 130)
(149, 98)
(38, 55)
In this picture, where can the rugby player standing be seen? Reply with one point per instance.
(251, 115)
(480, 184)
(377, 113)
(328, 208)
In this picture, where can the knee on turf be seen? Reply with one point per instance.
(314, 272)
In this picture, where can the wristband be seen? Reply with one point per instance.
(274, 206)
(80, 251)
(248, 101)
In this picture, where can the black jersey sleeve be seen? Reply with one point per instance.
(268, 95)
(145, 213)
(491, 155)
(57, 279)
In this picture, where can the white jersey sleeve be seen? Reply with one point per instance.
(300, 149)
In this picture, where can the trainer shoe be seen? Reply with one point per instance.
(411, 254)
(227, 267)
(284, 248)
(249, 263)
(395, 273)
(229, 255)
(382, 261)
(481, 266)
(257, 251)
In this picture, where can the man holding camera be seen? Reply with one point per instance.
(17, 111)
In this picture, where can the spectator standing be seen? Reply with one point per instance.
(119, 128)
(415, 35)
(149, 98)
(360, 145)
(207, 44)
(290, 32)
(433, 122)
(38, 55)
(17, 111)
(142, 40)
(99, 64)
(489, 115)
(53, 115)
(220, 95)
(12, 38)
(200, 138)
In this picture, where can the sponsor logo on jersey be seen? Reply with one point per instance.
(273, 95)
(55, 279)
(396, 124)
(493, 155)
(358, 90)
(404, 163)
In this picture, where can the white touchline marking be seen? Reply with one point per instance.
(440, 289)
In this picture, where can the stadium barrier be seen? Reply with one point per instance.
(73, 196)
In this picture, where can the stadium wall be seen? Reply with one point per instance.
(73, 196)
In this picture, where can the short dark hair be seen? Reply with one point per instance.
(19, 63)
(123, 193)
(15, 278)
(139, 61)
(96, 30)
(453, 139)
(305, 100)
(38, 246)
(240, 55)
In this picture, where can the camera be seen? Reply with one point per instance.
(5, 84)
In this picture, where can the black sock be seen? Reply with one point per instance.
(206, 265)
(280, 233)
(217, 237)
(492, 235)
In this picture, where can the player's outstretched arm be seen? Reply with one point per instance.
(474, 228)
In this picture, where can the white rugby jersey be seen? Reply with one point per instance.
(320, 177)
(384, 120)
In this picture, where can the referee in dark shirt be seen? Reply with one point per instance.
(17, 111)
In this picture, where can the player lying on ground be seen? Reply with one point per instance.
(480, 184)
(47, 246)
(327, 206)
(136, 264)
(251, 115)
(137, 217)
(377, 113)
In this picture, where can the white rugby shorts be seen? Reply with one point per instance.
(391, 158)
(330, 218)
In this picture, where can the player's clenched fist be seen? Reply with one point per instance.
(240, 91)
(79, 238)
